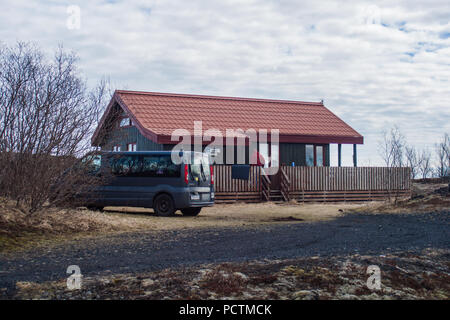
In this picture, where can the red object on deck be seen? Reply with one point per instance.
(257, 159)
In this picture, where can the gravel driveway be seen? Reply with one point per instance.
(148, 251)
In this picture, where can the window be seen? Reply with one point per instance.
(199, 165)
(319, 156)
(125, 165)
(125, 122)
(131, 147)
(159, 166)
(315, 155)
(116, 148)
(93, 163)
(144, 166)
(309, 155)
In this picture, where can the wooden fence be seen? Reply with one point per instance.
(348, 178)
(234, 189)
(316, 184)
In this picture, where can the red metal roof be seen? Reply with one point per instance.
(157, 115)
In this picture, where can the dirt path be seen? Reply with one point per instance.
(147, 251)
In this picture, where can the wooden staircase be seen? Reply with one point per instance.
(265, 186)
(285, 185)
(280, 194)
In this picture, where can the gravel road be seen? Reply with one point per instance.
(148, 251)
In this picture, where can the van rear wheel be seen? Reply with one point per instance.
(190, 211)
(164, 206)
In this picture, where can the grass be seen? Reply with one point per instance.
(423, 199)
(53, 226)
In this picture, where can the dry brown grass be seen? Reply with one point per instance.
(232, 215)
(423, 199)
(18, 230)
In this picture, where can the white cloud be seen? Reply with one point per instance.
(374, 63)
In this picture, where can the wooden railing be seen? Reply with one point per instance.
(265, 186)
(285, 184)
(348, 178)
(302, 183)
(224, 183)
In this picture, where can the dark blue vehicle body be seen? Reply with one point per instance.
(130, 185)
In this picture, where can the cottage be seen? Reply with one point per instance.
(146, 121)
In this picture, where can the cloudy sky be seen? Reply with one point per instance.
(375, 64)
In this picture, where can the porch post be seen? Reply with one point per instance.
(339, 154)
(354, 155)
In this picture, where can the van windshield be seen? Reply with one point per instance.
(199, 166)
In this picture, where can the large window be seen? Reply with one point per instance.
(315, 155)
(319, 156)
(309, 155)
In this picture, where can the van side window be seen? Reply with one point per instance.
(125, 166)
(159, 166)
(144, 166)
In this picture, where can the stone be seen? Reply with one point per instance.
(147, 282)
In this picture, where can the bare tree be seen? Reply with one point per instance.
(392, 151)
(392, 147)
(425, 168)
(443, 156)
(47, 115)
(412, 160)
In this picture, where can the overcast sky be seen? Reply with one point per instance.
(375, 64)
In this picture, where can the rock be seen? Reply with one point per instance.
(372, 296)
(23, 285)
(147, 282)
(241, 275)
(348, 297)
(306, 295)
(347, 289)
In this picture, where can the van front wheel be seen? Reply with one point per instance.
(190, 211)
(163, 206)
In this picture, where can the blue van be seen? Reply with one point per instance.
(151, 179)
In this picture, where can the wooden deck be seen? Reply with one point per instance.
(308, 184)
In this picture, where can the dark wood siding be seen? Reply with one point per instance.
(327, 155)
(121, 137)
(295, 152)
(292, 152)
